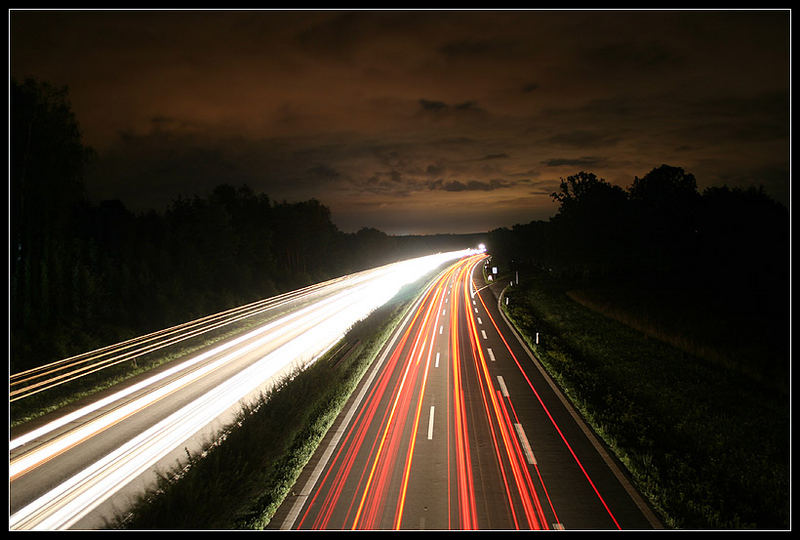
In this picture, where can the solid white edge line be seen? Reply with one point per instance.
(635, 495)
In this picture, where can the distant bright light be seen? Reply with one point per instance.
(481, 247)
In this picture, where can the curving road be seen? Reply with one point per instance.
(457, 427)
(80, 466)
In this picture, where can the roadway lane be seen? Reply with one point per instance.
(76, 468)
(455, 427)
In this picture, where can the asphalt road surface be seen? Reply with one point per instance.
(455, 426)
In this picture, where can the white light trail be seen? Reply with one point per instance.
(296, 337)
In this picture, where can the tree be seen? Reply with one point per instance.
(47, 163)
(666, 204)
(592, 223)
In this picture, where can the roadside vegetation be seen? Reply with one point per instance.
(705, 441)
(663, 313)
(240, 481)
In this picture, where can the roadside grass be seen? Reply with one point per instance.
(746, 342)
(706, 444)
(241, 482)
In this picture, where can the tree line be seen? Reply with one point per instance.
(85, 274)
(731, 244)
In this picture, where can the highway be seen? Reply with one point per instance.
(79, 466)
(456, 427)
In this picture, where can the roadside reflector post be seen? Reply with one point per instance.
(506, 300)
(537, 338)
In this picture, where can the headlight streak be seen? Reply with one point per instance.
(187, 330)
(290, 329)
(67, 503)
(398, 274)
(552, 420)
(150, 381)
(353, 442)
(76, 497)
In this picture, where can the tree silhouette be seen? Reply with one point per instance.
(592, 223)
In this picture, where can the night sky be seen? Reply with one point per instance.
(415, 122)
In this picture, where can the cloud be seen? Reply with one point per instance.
(472, 185)
(586, 161)
(470, 48)
(434, 106)
(583, 138)
(544, 187)
(631, 55)
(438, 107)
(434, 170)
(324, 172)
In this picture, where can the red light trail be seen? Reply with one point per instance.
(477, 456)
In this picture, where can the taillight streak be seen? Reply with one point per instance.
(550, 416)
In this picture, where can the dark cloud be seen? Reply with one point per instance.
(466, 106)
(465, 47)
(340, 35)
(530, 87)
(472, 185)
(632, 55)
(434, 170)
(433, 106)
(586, 161)
(324, 172)
(439, 107)
(544, 187)
(766, 104)
(584, 138)
(501, 155)
(470, 48)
